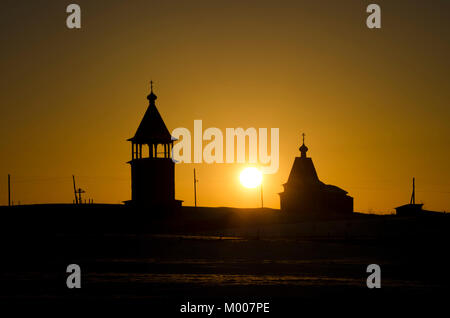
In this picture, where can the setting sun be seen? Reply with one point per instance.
(251, 177)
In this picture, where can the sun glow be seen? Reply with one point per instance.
(251, 177)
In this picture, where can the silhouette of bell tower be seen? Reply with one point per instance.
(152, 176)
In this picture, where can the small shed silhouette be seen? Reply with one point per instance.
(411, 209)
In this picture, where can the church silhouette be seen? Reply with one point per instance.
(305, 194)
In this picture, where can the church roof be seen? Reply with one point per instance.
(152, 128)
(303, 172)
(333, 188)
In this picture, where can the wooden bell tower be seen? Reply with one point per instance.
(153, 175)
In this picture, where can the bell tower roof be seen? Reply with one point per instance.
(152, 128)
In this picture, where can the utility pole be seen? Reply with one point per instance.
(9, 190)
(413, 195)
(75, 190)
(262, 202)
(195, 189)
(80, 200)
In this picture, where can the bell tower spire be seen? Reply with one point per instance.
(303, 149)
(151, 97)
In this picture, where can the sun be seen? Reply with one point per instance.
(251, 177)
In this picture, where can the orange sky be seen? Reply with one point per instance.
(373, 103)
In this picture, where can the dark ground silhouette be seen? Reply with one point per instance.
(207, 255)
